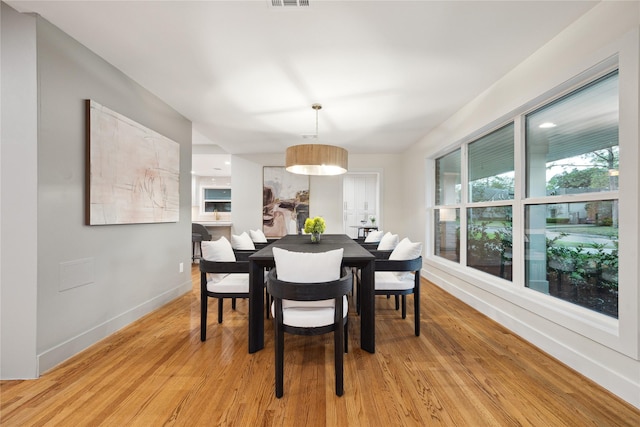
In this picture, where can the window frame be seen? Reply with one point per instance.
(597, 326)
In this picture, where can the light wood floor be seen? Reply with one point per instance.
(463, 370)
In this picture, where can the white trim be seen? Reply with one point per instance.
(61, 352)
(590, 360)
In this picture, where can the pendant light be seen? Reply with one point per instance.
(316, 159)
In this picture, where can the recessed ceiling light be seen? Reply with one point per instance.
(547, 125)
(227, 162)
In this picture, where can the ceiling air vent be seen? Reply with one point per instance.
(289, 3)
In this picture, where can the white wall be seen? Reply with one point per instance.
(603, 349)
(18, 203)
(123, 271)
(325, 192)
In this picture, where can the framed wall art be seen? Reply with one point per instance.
(133, 172)
(285, 202)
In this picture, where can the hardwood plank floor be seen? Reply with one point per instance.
(464, 370)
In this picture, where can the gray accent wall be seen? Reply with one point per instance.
(92, 280)
(18, 195)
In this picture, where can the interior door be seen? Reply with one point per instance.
(360, 201)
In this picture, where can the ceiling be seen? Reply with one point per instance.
(246, 73)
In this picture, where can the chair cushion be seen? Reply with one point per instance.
(257, 236)
(242, 242)
(374, 236)
(309, 317)
(388, 242)
(305, 267)
(231, 283)
(406, 250)
(389, 281)
(217, 250)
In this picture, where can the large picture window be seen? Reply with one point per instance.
(563, 189)
(572, 161)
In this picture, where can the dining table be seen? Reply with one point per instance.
(354, 255)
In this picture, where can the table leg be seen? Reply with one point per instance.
(256, 304)
(368, 309)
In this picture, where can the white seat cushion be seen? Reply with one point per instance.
(242, 242)
(305, 267)
(374, 236)
(217, 250)
(389, 281)
(388, 242)
(234, 283)
(257, 236)
(406, 250)
(309, 317)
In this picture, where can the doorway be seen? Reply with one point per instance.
(361, 201)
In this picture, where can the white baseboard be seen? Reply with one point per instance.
(58, 354)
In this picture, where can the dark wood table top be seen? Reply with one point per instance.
(353, 252)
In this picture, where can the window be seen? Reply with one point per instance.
(572, 158)
(217, 199)
(447, 239)
(448, 195)
(448, 179)
(568, 203)
(491, 172)
(577, 262)
(489, 240)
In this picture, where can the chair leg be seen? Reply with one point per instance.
(220, 304)
(338, 335)
(233, 303)
(358, 297)
(416, 308)
(404, 306)
(397, 301)
(346, 336)
(203, 316)
(279, 348)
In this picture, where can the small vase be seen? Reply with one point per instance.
(315, 237)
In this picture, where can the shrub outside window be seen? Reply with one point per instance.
(578, 262)
(490, 241)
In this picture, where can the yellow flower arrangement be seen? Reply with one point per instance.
(315, 225)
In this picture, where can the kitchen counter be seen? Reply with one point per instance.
(217, 228)
(215, 223)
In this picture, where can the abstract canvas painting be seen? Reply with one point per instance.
(133, 172)
(285, 202)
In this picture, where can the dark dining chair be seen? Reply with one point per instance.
(308, 307)
(400, 278)
(222, 276)
(397, 273)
